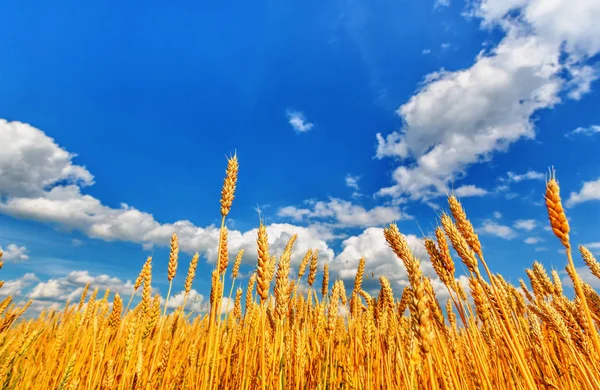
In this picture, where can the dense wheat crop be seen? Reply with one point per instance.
(488, 335)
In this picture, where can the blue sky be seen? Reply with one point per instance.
(117, 120)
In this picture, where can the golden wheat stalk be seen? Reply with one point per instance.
(262, 278)
(560, 227)
(191, 274)
(228, 191)
(138, 281)
(236, 264)
(173, 257)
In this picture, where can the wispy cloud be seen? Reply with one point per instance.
(584, 131)
(533, 240)
(512, 177)
(298, 121)
(441, 3)
(352, 182)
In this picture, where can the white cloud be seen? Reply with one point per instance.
(495, 229)
(460, 118)
(64, 204)
(15, 287)
(381, 261)
(71, 286)
(31, 162)
(574, 24)
(227, 305)
(581, 80)
(14, 253)
(295, 213)
(585, 131)
(352, 182)
(298, 121)
(53, 293)
(441, 3)
(310, 237)
(49, 289)
(525, 224)
(426, 51)
(533, 240)
(585, 274)
(469, 190)
(195, 302)
(594, 247)
(529, 175)
(345, 213)
(589, 191)
(497, 214)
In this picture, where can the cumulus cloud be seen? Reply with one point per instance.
(589, 191)
(16, 286)
(31, 162)
(195, 302)
(53, 293)
(39, 181)
(463, 117)
(525, 224)
(493, 228)
(344, 213)
(380, 260)
(70, 286)
(310, 237)
(497, 214)
(14, 253)
(298, 121)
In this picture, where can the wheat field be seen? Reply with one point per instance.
(490, 335)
